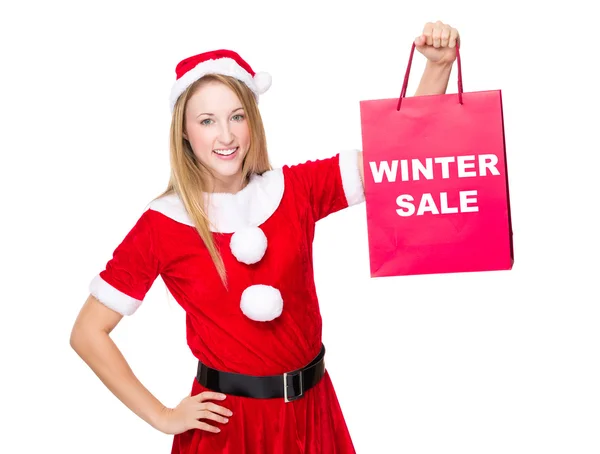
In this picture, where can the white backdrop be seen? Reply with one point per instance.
(498, 362)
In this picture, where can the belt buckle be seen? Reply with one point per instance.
(286, 396)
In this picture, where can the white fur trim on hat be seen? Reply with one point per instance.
(261, 303)
(113, 298)
(248, 245)
(225, 66)
(353, 186)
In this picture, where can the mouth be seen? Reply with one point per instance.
(226, 152)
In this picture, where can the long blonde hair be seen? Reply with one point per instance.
(190, 178)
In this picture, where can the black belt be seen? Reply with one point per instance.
(289, 385)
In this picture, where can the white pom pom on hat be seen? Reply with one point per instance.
(261, 303)
(222, 61)
(248, 245)
(262, 81)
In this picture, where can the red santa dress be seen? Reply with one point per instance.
(268, 321)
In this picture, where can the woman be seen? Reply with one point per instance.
(232, 240)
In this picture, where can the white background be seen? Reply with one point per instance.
(498, 362)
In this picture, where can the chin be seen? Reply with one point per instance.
(227, 170)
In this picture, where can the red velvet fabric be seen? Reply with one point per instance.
(221, 336)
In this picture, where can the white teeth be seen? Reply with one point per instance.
(225, 152)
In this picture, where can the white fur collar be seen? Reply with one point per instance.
(228, 213)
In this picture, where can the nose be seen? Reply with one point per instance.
(226, 136)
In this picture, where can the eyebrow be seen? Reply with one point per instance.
(211, 114)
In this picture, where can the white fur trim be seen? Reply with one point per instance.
(225, 66)
(261, 303)
(229, 213)
(113, 298)
(172, 207)
(248, 245)
(353, 186)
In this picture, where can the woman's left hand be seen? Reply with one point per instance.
(438, 42)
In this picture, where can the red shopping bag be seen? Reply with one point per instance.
(436, 183)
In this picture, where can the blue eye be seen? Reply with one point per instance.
(205, 122)
(238, 117)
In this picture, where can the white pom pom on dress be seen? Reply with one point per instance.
(248, 245)
(261, 303)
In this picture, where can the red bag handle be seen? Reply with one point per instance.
(405, 84)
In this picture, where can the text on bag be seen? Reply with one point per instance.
(456, 166)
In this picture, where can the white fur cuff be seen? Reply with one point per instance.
(353, 186)
(113, 298)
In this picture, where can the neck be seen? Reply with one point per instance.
(230, 185)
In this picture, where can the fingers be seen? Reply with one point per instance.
(209, 395)
(420, 40)
(207, 427)
(438, 34)
(454, 38)
(428, 33)
(216, 409)
(211, 412)
(205, 409)
(445, 36)
(205, 414)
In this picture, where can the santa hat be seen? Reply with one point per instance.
(223, 61)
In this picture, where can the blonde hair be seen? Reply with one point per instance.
(190, 178)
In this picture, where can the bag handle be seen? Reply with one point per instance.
(405, 84)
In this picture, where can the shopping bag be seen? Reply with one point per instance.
(436, 182)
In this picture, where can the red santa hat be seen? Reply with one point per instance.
(223, 61)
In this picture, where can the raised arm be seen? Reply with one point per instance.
(438, 44)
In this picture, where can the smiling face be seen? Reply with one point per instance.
(217, 129)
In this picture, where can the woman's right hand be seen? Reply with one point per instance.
(190, 411)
